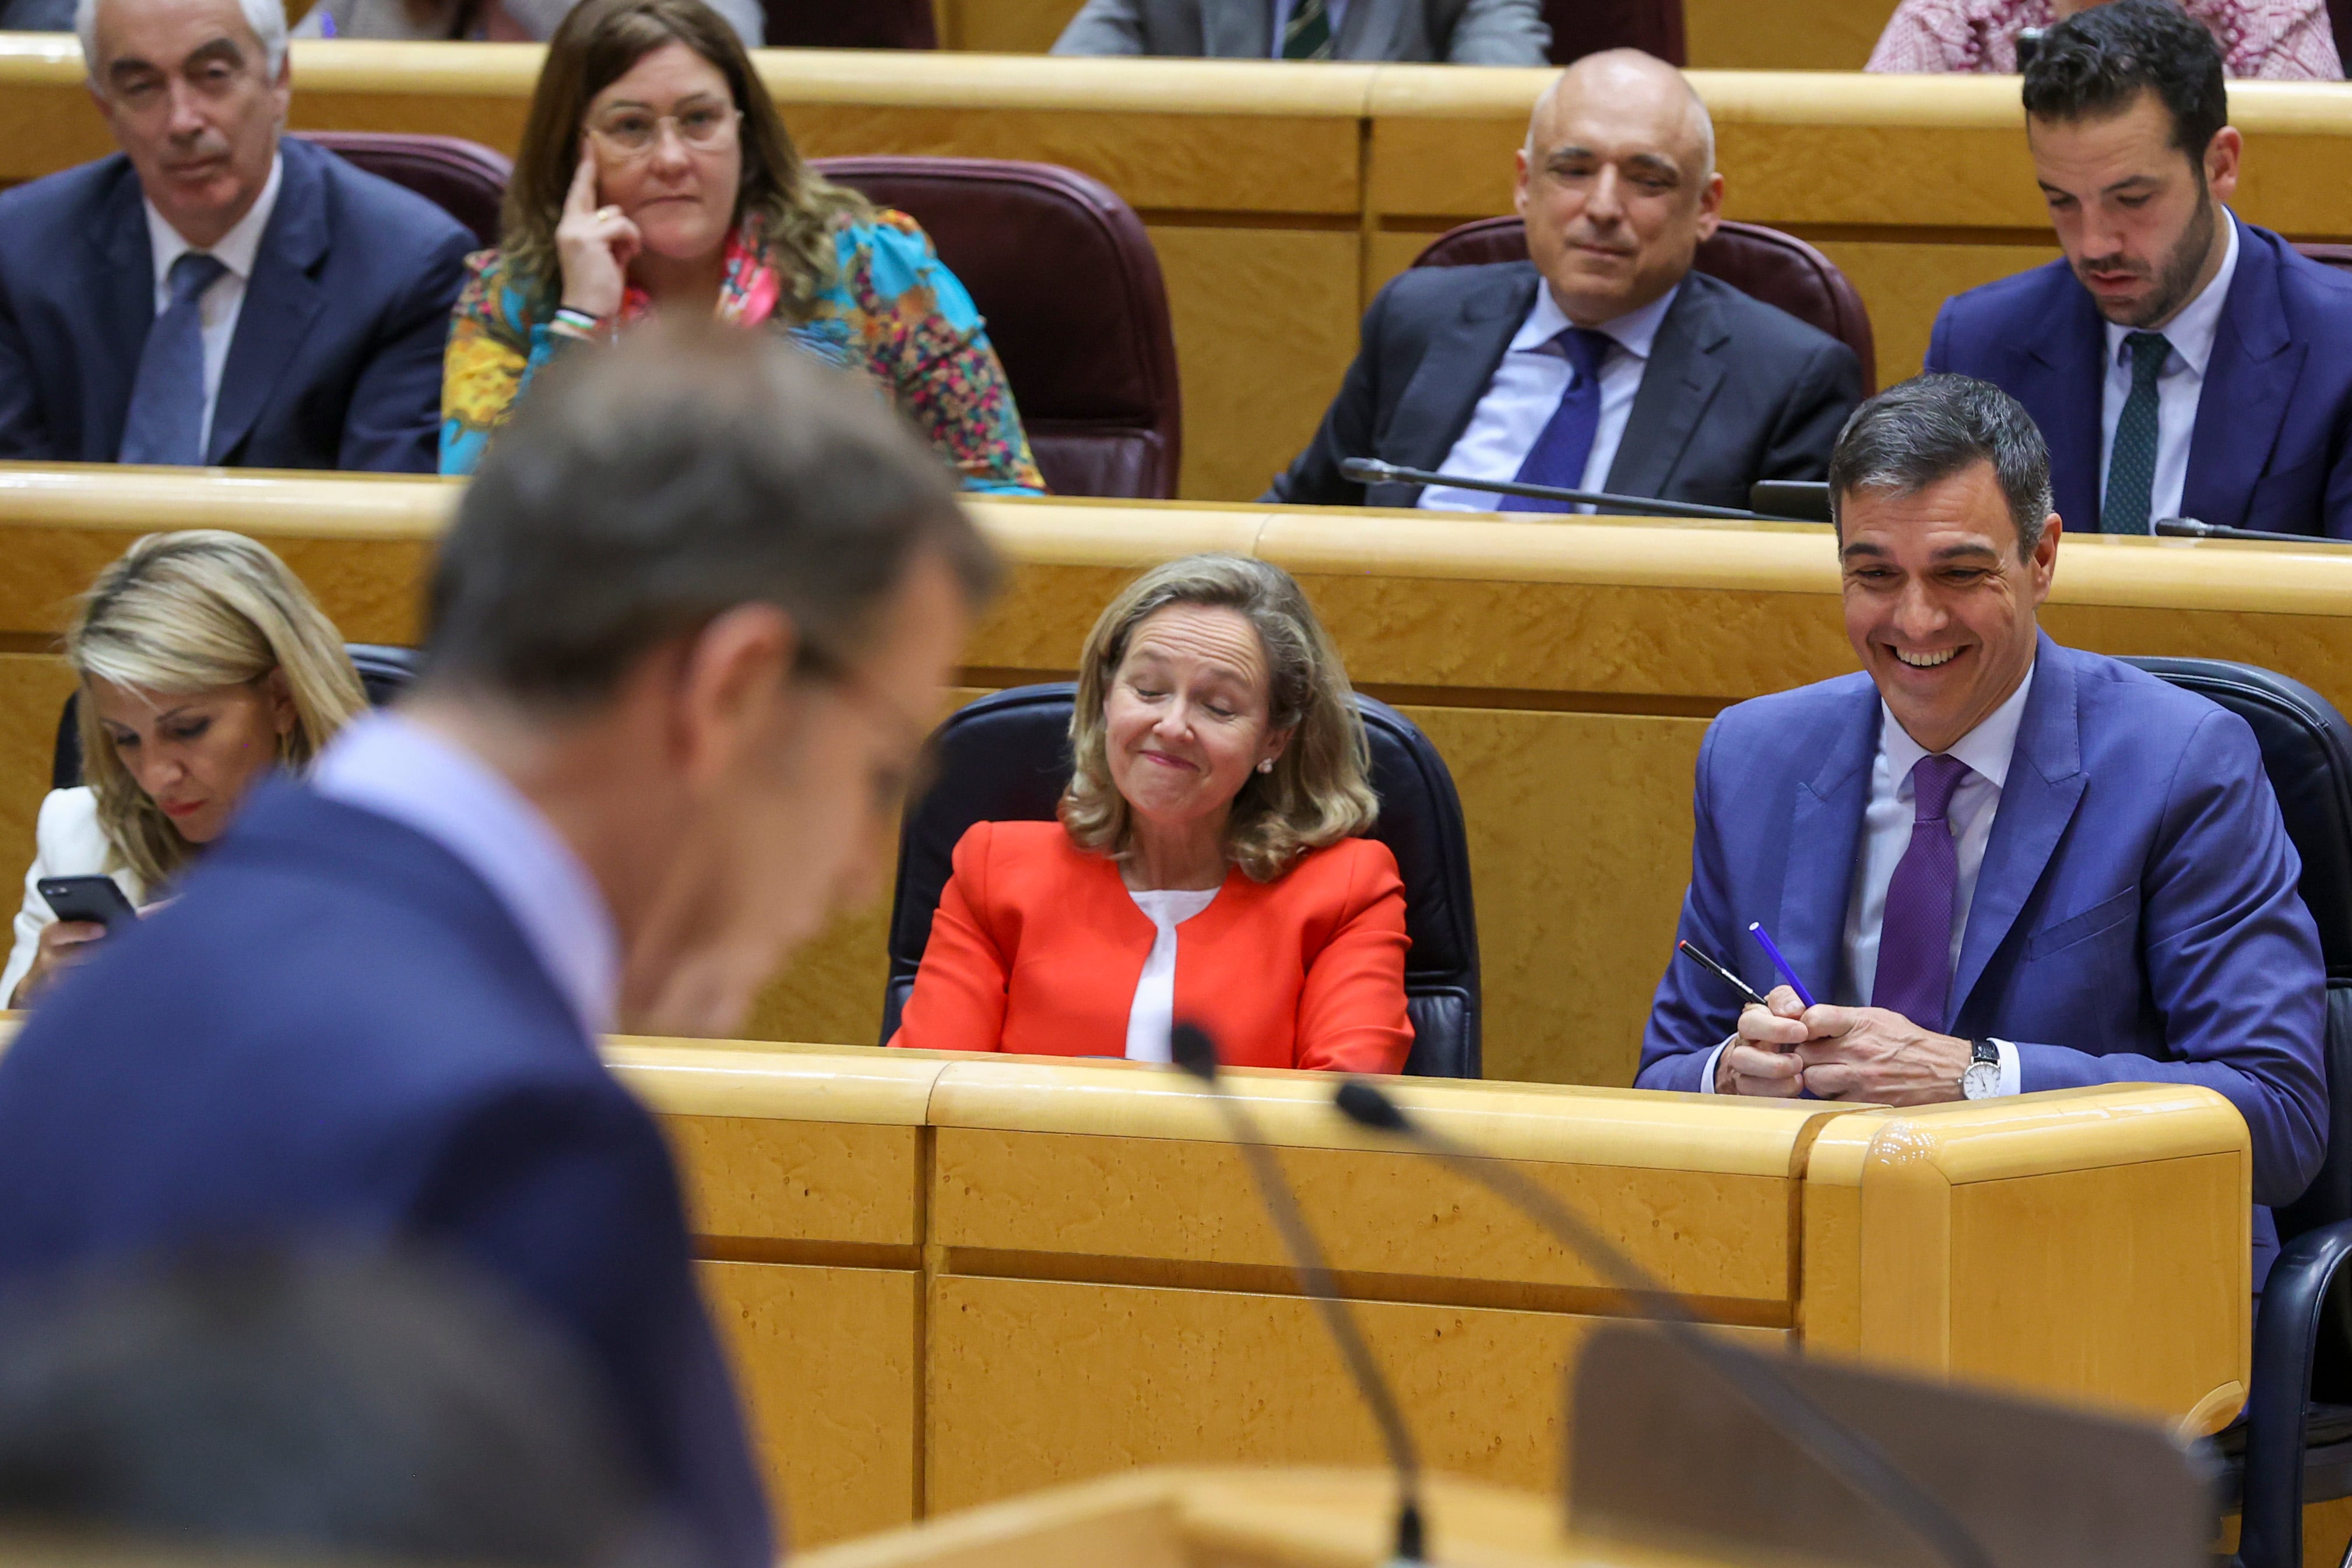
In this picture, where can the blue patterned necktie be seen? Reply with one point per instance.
(166, 420)
(1914, 937)
(1565, 445)
(2131, 466)
(1307, 34)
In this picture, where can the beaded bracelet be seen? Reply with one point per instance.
(572, 323)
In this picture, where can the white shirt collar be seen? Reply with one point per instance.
(2192, 331)
(391, 765)
(1634, 332)
(236, 249)
(1985, 749)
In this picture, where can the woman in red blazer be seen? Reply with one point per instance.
(1205, 866)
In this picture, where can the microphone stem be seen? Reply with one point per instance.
(1315, 1274)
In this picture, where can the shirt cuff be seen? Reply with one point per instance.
(1706, 1073)
(2012, 1074)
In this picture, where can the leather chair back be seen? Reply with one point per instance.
(1762, 263)
(2336, 256)
(464, 179)
(1581, 27)
(1006, 758)
(384, 673)
(1067, 280)
(849, 25)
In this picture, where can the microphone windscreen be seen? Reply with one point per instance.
(1365, 1106)
(1190, 1048)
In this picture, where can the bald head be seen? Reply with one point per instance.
(1617, 184)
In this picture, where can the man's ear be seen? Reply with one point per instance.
(1710, 206)
(728, 679)
(2221, 155)
(1519, 182)
(2045, 556)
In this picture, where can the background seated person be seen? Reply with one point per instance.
(489, 21)
(2181, 363)
(651, 109)
(204, 664)
(1603, 362)
(1460, 32)
(1204, 867)
(2002, 865)
(2281, 38)
(214, 293)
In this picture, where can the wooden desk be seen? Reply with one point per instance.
(950, 1281)
(1565, 670)
(1281, 197)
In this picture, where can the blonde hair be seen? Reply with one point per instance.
(1318, 793)
(190, 612)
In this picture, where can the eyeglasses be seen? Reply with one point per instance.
(632, 132)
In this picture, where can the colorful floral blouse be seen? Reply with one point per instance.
(894, 313)
(2277, 38)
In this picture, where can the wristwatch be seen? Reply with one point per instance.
(1981, 1079)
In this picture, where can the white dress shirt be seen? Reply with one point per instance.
(395, 767)
(1335, 10)
(1886, 823)
(2177, 387)
(1154, 1012)
(217, 307)
(68, 842)
(1525, 391)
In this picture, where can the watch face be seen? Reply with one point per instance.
(1981, 1082)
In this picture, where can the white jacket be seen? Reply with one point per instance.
(69, 842)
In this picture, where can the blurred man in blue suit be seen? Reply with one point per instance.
(689, 628)
(2001, 865)
(216, 292)
(2181, 362)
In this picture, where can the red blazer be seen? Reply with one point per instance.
(1036, 949)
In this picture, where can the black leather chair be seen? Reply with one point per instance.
(1005, 758)
(464, 179)
(384, 671)
(1581, 27)
(2295, 1443)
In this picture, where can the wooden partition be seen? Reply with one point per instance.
(950, 1281)
(1280, 196)
(1565, 669)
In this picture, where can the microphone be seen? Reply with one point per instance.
(1372, 470)
(1833, 1444)
(1190, 1048)
(2189, 527)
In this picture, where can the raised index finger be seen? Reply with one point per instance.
(580, 199)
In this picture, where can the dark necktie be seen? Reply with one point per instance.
(1915, 941)
(2131, 466)
(1307, 34)
(165, 423)
(1565, 444)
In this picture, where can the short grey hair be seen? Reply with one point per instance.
(266, 17)
(1931, 427)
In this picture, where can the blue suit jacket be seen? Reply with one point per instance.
(338, 1031)
(2272, 447)
(2136, 918)
(336, 363)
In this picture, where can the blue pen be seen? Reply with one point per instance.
(1756, 929)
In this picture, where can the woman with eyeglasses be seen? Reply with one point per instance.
(655, 175)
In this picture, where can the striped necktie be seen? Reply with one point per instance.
(2131, 465)
(1307, 34)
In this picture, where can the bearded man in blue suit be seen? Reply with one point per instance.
(2003, 865)
(2181, 362)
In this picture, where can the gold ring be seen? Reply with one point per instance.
(608, 212)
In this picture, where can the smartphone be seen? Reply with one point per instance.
(88, 899)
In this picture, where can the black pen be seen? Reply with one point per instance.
(1720, 973)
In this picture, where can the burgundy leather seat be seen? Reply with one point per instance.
(464, 179)
(2338, 256)
(1581, 27)
(850, 25)
(1762, 263)
(1071, 288)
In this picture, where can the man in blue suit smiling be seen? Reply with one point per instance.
(2181, 362)
(217, 292)
(2002, 865)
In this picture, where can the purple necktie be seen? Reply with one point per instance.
(1565, 444)
(1915, 942)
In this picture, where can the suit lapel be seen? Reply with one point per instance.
(2046, 784)
(281, 298)
(126, 273)
(1437, 402)
(1362, 35)
(1677, 384)
(2248, 380)
(1824, 832)
(2061, 379)
(1243, 30)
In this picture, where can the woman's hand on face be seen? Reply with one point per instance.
(63, 944)
(593, 245)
